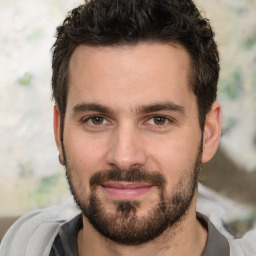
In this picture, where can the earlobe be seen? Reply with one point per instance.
(212, 131)
(57, 132)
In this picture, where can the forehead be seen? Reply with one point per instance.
(145, 73)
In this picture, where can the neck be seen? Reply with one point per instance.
(187, 237)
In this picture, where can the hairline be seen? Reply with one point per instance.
(123, 44)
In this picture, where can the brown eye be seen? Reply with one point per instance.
(97, 120)
(160, 120)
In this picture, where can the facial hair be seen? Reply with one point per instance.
(124, 226)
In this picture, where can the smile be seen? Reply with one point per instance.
(126, 190)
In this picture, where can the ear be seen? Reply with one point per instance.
(57, 132)
(212, 131)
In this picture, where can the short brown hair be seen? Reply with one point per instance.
(120, 22)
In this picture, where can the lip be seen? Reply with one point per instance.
(126, 190)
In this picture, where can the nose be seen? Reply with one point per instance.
(126, 149)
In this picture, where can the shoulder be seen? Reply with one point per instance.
(33, 234)
(245, 246)
(216, 208)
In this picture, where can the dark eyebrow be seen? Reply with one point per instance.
(83, 107)
(155, 107)
(161, 106)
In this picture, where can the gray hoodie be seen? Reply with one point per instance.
(34, 233)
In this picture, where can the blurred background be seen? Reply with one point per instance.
(30, 174)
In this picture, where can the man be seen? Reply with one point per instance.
(135, 86)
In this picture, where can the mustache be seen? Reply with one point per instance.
(131, 175)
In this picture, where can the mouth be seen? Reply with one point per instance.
(126, 190)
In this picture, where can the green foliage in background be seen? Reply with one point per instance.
(39, 192)
(25, 79)
(230, 87)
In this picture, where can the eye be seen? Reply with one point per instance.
(96, 120)
(158, 120)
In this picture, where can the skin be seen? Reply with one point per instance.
(127, 80)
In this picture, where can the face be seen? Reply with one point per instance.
(132, 141)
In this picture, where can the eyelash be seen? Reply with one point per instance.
(167, 121)
(89, 118)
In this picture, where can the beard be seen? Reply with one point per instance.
(124, 226)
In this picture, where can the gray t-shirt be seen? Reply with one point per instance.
(65, 243)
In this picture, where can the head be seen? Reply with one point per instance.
(134, 84)
(113, 23)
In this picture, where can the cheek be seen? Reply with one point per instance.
(174, 155)
(84, 153)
